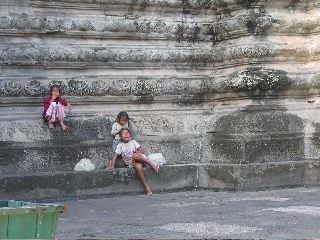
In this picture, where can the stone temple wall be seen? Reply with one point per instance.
(229, 86)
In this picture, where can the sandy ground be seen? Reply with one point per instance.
(276, 214)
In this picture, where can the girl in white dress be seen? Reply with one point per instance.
(133, 155)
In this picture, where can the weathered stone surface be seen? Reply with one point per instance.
(256, 176)
(217, 177)
(205, 82)
(70, 184)
(256, 134)
(88, 137)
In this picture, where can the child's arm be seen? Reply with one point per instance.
(46, 104)
(140, 150)
(114, 129)
(47, 101)
(64, 102)
(113, 161)
(69, 106)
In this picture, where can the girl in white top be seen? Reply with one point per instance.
(122, 121)
(133, 155)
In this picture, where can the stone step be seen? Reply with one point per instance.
(217, 177)
(71, 184)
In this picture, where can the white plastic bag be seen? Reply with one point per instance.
(84, 165)
(158, 158)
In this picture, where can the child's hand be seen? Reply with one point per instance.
(53, 97)
(109, 169)
(69, 106)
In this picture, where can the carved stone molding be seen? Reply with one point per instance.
(218, 6)
(42, 55)
(118, 87)
(244, 35)
(252, 80)
(177, 29)
(143, 4)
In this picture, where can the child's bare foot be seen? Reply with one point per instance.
(109, 167)
(148, 190)
(154, 166)
(64, 127)
(50, 125)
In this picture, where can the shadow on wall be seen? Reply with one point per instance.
(257, 134)
(316, 138)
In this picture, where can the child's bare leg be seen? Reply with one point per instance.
(138, 167)
(50, 124)
(63, 126)
(108, 165)
(141, 158)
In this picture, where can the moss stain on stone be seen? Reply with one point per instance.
(258, 81)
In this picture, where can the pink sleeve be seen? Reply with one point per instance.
(46, 104)
(63, 101)
(46, 100)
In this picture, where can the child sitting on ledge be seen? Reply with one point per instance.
(133, 155)
(53, 110)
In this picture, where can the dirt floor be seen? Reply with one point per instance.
(276, 214)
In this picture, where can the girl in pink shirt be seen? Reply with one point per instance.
(53, 110)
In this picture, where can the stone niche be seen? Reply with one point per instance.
(228, 88)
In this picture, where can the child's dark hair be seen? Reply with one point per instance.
(122, 114)
(53, 87)
(123, 129)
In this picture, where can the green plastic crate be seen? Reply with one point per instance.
(25, 220)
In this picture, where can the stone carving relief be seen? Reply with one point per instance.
(193, 30)
(86, 87)
(120, 88)
(143, 87)
(301, 5)
(5, 22)
(142, 4)
(38, 55)
(217, 6)
(100, 88)
(21, 22)
(34, 88)
(12, 88)
(78, 88)
(52, 24)
(258, 23)
(250, 80)
(36, 23)
(181, 30)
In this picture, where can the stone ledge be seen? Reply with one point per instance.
(69, 184)
(217, 177)
(259, 176)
